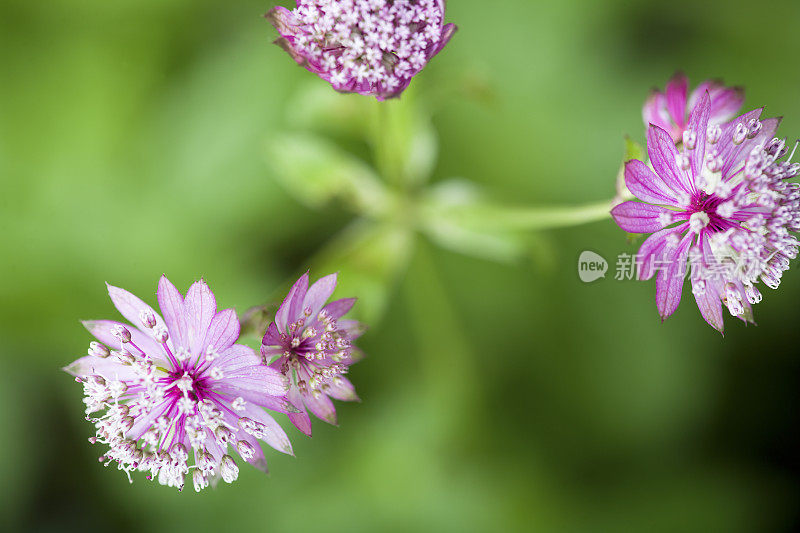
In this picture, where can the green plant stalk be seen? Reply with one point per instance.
(533, 218)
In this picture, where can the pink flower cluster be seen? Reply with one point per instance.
(369, 47)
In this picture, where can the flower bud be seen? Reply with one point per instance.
(98, 350)
(228, 469)
(148, 318)
(121, 333)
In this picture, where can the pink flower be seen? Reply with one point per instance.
(369, 47)
(311, 345)
(718, 207)
(178, 389)
(669, 110)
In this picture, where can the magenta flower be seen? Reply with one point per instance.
(669, 110)
(720, 206)
(312, 346)
(369, 47)
(177, 387)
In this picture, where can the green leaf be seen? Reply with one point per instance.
(453, 217)
(315, 171)
(634, 150)
(404, 140)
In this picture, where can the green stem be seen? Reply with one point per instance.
(384, 143)
(446, 358)
(537, 218)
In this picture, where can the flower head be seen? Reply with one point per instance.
(369, 47)
(311, 345)
(178, 389)
(669, 110)
(720, 204)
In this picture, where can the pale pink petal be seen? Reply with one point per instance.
(258, 460)
(274, 436)
(257, 378)
(200, 307)
(131, 306)
(342, 389)
(103, 331)
(237, 357)
(352, 329)
(108, 368)
(171, 303)
(321, 406)
(223, 331)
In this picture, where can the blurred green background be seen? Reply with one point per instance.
(496, 396)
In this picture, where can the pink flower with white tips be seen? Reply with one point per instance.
(369, 47)
(669, 110)
(719, 208)
(311, 345)
(178, 389)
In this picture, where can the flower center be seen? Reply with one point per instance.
(698, 221)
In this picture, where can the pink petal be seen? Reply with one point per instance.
(272, 337)
(339, 308)
(223, 331)
(236, 357)
(171, 303)
(663, 156)
(646, 185)
(230, 391)
(144, 421)
(257, 378)
(344, 390)
(655, 111)
(669, 282)
(676, 91)
(638, 217)
(322, 407)
(652, 249)
(200, 307)
(318, 294)
(710, 307)
(709, 304)
(768, 128)
(291, 306)
(258, 460)
(725, 103)
(733, 155)
(108, 368)
(352, 329)
(300, 420)
(102, 331)
(698, 124)
(131, 306)
(275, 436)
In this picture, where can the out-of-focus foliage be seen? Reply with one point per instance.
(496, 396)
